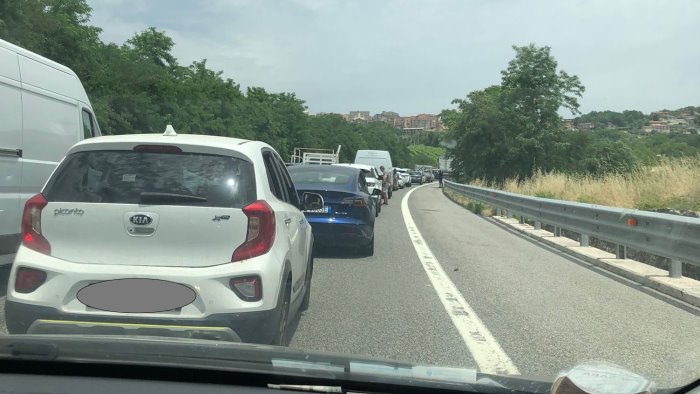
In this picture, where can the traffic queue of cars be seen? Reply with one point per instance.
(170, 235)
(182, 235)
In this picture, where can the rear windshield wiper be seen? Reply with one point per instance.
(168, 198)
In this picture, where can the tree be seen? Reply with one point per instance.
(602, 157)
(154, 46)
(513, 129)
(533, 94)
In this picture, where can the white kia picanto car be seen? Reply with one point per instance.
(170, 235)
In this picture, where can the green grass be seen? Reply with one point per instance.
(473, 206)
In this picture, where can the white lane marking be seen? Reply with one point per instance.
(486, 351)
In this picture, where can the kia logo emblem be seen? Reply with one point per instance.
(141, 220)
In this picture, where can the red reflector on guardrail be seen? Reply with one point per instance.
(632, 222)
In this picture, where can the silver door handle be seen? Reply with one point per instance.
(11, 152)
(287, 221)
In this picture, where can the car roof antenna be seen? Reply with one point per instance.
(169, 131)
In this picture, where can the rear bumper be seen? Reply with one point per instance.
(256, 327)
(341, 234)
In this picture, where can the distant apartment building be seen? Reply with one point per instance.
(659, 126)
(425, 122)
(586, 126)
(359, 116)
(689, 117)
(386, 117)
(663, 115)
(677, 122)
(419, 122)
(569, 124)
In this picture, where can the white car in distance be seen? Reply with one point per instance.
(406, 178)
(177, 235)
(374, 181)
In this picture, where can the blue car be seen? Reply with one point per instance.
(348, 213)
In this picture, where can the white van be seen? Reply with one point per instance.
(44, 110)
(375, 158)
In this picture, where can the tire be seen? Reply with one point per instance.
(307, 283)
(368, 250)
(283, 304)
(377, 209)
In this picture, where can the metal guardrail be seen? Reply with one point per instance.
(671, 236)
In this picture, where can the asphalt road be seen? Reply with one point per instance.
(546, 311)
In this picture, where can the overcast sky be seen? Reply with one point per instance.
(415, 56)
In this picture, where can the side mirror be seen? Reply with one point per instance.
(376, 192)
(311, 201)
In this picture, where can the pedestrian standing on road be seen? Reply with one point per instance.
(386, 179)
(439, 177)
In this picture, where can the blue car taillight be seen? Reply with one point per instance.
(358, 202)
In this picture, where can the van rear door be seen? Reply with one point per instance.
(10, 150)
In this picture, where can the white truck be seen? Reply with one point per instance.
(377, 158)
(44, 110)
(444, 164)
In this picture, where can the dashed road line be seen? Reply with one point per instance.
(486, 351)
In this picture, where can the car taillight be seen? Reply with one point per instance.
(248, 288)
(31, 225)
(260, 234)
(354, 201)
(28, 280)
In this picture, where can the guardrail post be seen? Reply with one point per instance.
(557, 231)
(498, 212)
(676, 269)
(521, 219)
(538, 225)
(585, 241)
(621, 252)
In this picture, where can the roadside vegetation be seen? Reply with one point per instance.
(511, 136)
(473, 206)
(508, 135)
(424, 154)
(672, 183)
(139, 86)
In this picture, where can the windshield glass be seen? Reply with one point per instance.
(463, 187)
(301, 175)
(122, 177)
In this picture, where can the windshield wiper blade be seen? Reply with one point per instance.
(164, 198)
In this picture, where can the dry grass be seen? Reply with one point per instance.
(670, 184)
(474, 206)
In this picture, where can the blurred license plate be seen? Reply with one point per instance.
(325, 209)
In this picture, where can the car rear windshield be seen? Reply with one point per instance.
(128, 177)
(322, 175)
